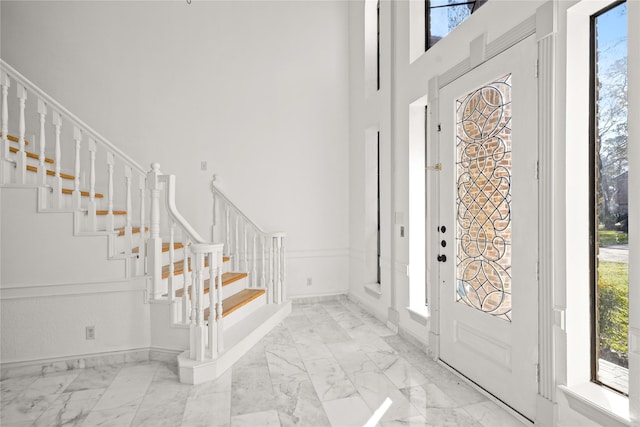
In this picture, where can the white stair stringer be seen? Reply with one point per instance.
(238, 340)
(48, 239)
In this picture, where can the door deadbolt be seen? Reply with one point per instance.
(442, 229)
(443, 243)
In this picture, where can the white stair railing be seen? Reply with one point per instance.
(83, 150)
(95, 164)
(201, 260)
(241, 237)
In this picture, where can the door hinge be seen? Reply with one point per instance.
(538, 169)
(536, 70)
(538, 270)
(537, 373)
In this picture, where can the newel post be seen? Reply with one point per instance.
(154, 243)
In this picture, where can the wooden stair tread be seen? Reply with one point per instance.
(236, 301)
(82, 193)
(31, 155)
(165, 247)
(134, 230)
(227, 279)
(51, 173)
(101, 212)
(15, 139)
(178, 268)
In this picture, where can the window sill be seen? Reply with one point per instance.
(599, 404)
(419, 314)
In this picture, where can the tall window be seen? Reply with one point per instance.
(442, 16)
(609, 216)
(378, 43)
(378, 236)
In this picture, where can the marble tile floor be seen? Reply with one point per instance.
(327, 364)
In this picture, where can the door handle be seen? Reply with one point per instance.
(442, 258)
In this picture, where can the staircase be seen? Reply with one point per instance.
(208, 301)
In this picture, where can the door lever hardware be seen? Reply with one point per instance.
(436, 167)
(442, 229)
(442, 258)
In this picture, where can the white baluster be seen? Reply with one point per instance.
(92, 185)
(263, 264)
(236, 253)
(141, 245)
(278, 264)
(283, 272)
(213, 215)
(186, 276)
(214, 270)
(172, 260)
(42, 172)
(21, 157)
(77, 197)
(245, 249)
(57, 181)
(128, 229)
(219, 312)
(6, 83)
(110, 217)
(154, 244)
(254, 270)
(227, 230)
(270, 291)
(200, 331)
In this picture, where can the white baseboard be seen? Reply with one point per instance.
(47, 366)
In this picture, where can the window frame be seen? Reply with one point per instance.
(593, 217)
(427, 17)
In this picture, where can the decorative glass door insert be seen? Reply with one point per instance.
(483, 229)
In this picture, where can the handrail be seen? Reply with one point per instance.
(69, 115)
(170, 201)
(216, 190)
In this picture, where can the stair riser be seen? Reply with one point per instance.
(227, 290)
(244, 311)
(179, 256)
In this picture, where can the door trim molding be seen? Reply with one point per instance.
(543, 25)
(481, 52)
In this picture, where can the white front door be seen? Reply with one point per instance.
(488, 237)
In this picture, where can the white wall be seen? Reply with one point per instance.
(259, 90)
(71, 285)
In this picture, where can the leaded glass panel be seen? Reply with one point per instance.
(483, 231)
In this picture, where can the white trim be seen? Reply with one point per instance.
(599, 404)
(499, 45)
(316, 298)
(373, 288)
(80, 361)
(420, 314)
(16, 291)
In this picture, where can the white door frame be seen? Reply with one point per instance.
(542, 25)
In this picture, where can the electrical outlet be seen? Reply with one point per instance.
(90, 332)
(203, 165)
(309, 281)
